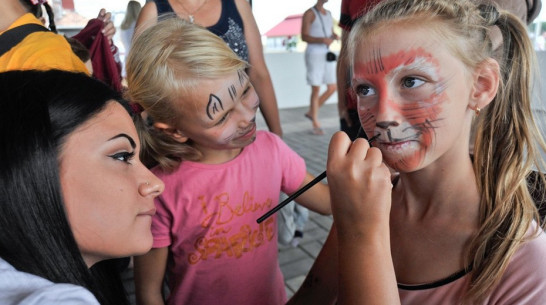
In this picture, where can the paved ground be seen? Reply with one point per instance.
(295, 262)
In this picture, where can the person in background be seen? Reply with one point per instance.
(74, 192)
(35, 7)
(37, 49)
(232, 20)
(317, 30)
(127, 27)
(221, 174)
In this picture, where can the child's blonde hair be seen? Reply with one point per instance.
(506, 143)
(166, 64)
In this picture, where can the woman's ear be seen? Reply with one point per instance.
(176, 134)
(486, 84)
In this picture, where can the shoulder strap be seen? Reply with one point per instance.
(12, 37)
(320, 18)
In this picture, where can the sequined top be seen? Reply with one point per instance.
(229, 27)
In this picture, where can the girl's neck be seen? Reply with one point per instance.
(218, 156)
(446, 186)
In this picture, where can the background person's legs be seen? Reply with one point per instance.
(312, 114)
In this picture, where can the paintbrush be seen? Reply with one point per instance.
(300, 191)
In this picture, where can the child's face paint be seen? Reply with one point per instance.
(221, 114)
(409, 91)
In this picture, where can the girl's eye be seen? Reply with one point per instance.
(364, 90)
(124, 156)
(412, 82)
(223, 119)
(246, 90)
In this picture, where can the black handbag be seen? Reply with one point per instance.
(331, 56)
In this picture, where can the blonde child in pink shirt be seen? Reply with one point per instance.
(220, 173)
(449, 229)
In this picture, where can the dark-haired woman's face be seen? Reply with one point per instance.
(107, 191)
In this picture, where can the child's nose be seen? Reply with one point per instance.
(247, 115)
(388, 112)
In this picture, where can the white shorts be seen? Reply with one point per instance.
(319, 71)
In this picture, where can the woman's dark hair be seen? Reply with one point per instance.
(39, 110)
(36, 10)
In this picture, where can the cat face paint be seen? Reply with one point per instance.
(224, 114)
(403, 95)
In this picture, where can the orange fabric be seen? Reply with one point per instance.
(40, 51)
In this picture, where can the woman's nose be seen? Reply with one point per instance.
(153, 186)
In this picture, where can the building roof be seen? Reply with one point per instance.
(290, 26)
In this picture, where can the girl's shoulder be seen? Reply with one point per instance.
(524, 281)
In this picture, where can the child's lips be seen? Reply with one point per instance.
(249, 133)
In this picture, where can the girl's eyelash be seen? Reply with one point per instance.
(123, 156)
(222, 119)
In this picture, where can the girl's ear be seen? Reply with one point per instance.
(486, 84)
(176, 134)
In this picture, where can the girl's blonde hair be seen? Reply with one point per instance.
(131, 14)
(508, 139)
(166, 64)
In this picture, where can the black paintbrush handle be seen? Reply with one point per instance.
(299, 192)
(292, 197)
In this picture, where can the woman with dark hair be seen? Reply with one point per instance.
(73, 192)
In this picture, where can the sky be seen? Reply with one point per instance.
(267, 13)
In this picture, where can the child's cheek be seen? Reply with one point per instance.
(366, 115)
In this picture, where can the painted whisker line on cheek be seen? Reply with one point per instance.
(301, 191)
(426, 126)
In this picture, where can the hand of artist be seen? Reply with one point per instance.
(109, 29)
(360, 186)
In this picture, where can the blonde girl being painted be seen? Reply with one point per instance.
(449, 229)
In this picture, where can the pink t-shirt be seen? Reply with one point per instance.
(207, 216)
(524, 282)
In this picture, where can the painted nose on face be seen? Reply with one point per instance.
(388, 114)
(386, 124)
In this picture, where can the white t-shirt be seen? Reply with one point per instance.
(20, 288)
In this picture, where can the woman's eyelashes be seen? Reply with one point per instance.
(124, 156)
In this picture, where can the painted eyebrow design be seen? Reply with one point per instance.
(419, 64)
(122, 135)
(377, 65)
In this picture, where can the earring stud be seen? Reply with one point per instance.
(477, 111)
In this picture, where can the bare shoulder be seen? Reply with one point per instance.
(147, 17)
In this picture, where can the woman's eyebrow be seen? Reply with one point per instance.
(122, 135)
